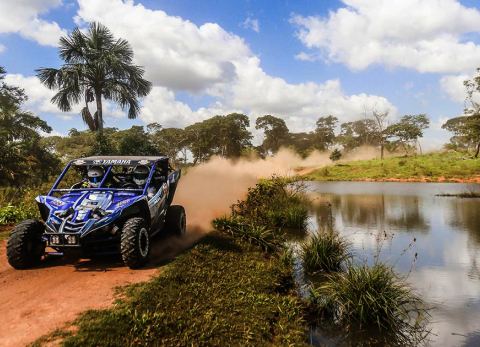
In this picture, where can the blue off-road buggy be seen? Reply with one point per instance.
(102, 205)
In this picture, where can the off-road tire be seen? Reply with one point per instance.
(176, 220)
(135, 243)
(25, 246)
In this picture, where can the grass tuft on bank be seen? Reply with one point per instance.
(371, 300)
(440, 166)
(325, 251)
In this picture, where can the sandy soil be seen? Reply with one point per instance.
(37, 301)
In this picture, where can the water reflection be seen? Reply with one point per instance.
(395, 221)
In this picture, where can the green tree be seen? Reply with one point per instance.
(220, 135)
(23, 158)
(335, 155)
(302, 143)
(134, 141)
(408, 130)
(358, 133)
(276, 133)
(325, 132)
(466, 131)
(96, 66)
(466, 128)
(169, 141)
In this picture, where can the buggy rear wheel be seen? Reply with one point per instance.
(25, 246)
(176, 220)
(135, 243)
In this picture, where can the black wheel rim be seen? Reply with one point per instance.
(143, 242)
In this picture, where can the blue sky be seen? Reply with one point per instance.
(295, 59)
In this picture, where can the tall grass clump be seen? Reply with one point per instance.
(275, 203)
(373, 300)
(325, 251)
(249, 232)
(270, 207)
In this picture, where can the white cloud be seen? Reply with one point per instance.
(2, 48)
(38, 95)
(425, 35)
(205, 59)
(304, 56)
(177, 53)
(454, 87)
(22, 17)
(39, 98)
(251, 23)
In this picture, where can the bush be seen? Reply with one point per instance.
(373, 298)
(12, 214)
(275, 203)
(324, 251)
(244, 230)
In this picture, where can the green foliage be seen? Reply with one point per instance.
(325, 251)
(226, 136)
(358, 133)
(275, 203)
(372, 299)
(325, 132)
(335, 155)
(249, 232)
(169, 141)
(10, 214)
(97, 66)
(24, 159)
(276, 133)
(221, 292)
(135, 141)
(408, 130)
(429, 167)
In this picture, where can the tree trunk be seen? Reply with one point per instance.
(382, 148)
(98, 99)
(478, 150)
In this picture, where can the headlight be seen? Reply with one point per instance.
(55, 240)
(71, 239)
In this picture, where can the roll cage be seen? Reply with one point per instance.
(108, 163)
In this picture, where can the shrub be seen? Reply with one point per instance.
(335, 155)
(244, 230)
(275, 203)
(12, 214)
(372, 298)
(324, 251)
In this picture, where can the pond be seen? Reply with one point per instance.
(433, 240)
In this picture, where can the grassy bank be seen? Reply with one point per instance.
(448, 166)
(221, 292)
(235, 287)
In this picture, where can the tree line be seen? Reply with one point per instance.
(100, 67)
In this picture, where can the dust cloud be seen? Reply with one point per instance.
(209, 189)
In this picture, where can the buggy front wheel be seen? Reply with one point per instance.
(25, 246)
(135, 243)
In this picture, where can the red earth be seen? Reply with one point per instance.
(36, 301)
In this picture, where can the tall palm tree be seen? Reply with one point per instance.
(96, 66)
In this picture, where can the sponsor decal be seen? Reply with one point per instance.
(112, 162)
(56, 202)
(144, 162)
(79, 162)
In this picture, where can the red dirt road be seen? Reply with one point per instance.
(37, 301)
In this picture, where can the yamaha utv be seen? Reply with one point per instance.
(102, 205)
